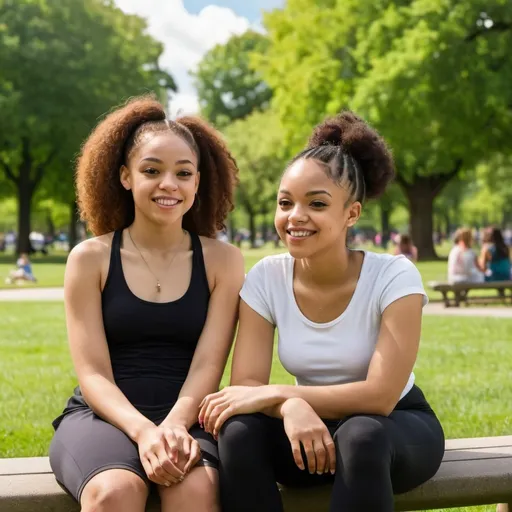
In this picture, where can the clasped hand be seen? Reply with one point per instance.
(218, 407)
(167, 453)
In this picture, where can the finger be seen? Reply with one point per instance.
(214, 415)
(223, 416)
(172, 445)
(320, 455)
(203, 406)
(147, 468)
(169, 469)
(195, 455)
(310, 455)
(297, 454)
(331, 453)
(185, 445)
(157, 472)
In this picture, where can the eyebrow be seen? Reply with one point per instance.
(310, 193)
(158, 161)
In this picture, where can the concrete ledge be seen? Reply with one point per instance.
(474, 472)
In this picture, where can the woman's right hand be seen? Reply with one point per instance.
(303, 426)
(158, 460)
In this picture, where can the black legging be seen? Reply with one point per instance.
(376, 456)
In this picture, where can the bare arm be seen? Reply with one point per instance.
(88, 345)
(215, 342)
(483, 258)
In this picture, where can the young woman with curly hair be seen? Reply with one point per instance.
(349, 326)
(151, 305)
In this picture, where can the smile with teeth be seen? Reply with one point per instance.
(300, 233)
(164, 201)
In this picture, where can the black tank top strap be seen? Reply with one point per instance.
(115, 265)
(198, 264)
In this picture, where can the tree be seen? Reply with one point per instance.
(256, 144)
(64, 64)
(227, 86)
(433, 77)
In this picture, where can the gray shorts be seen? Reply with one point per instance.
(85, 445)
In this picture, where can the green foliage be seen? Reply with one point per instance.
(256, 144)
(64, 64)
(227, 86)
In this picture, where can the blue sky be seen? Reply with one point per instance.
(250, 9)
(189, 28)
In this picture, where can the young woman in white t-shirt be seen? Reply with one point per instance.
(349, 327)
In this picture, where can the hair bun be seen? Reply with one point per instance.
(363, 143)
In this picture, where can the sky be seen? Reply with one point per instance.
(189, 28)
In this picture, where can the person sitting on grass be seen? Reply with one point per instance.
(151, 306)
(495, 256)
(349, 325)
(23, 272)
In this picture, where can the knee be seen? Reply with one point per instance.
(199, 488)
(239, 433)
(363, 438)
(109, 492)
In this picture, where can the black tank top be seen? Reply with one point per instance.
(151, 344)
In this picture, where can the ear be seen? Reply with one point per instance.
(354, 212)
(124, 177)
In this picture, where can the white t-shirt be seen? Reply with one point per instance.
(339, 351)
(462, 266)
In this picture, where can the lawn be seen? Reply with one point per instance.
(460, 368)
(49, 270)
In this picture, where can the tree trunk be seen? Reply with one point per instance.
(73, 225)
(421, 209)
(384, 223)
(50, 226)
(252, 228)
(25, 191)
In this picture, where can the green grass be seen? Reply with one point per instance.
(460, 368)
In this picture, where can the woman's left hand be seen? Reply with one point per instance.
(216, 408)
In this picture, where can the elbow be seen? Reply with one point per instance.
(383, 402)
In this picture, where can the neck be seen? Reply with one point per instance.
(156, 238)
(327, 268)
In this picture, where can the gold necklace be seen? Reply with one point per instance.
(158, 285)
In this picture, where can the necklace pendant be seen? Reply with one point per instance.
(158, 287)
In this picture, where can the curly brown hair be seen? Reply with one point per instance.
(104, 203)
(354, 155)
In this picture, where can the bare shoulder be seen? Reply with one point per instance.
(222, 258)
(91, 254)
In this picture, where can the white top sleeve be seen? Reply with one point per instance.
(399, 279)
(255, 293)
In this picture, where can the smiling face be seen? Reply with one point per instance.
(313, 212)
(162, 173)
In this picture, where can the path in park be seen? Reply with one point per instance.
(434, 308)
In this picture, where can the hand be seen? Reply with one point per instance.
(302, 425)
(184, 448)
(158, 459)
(216, 408)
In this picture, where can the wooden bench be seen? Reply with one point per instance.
(460, 292)
(474, 472)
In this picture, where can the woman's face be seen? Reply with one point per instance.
(313, 213)
(163, 176)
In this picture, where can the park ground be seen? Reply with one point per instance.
(462, 367)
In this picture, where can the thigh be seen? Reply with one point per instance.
(418, 447)
(85, 445)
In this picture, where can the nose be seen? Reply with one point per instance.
(297, 215)
(168, 181)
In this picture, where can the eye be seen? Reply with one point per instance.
(184, 173)
(284, 203)
(318, 204)
(150, 170)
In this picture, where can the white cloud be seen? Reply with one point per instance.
(186, 38)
